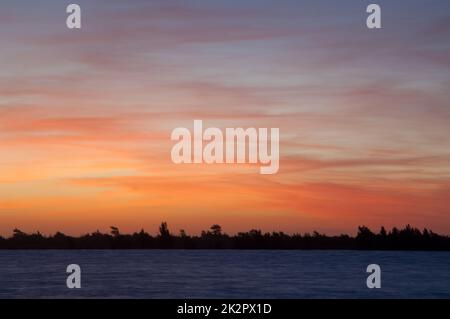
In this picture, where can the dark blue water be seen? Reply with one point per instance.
(224, 274)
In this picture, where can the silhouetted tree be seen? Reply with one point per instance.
(408, 238)
(114, 231)
(164, 230)
(165, 238)
(18, 233)
(216, 230)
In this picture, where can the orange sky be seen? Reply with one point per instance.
(86, 118)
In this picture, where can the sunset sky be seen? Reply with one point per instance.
(86, 115)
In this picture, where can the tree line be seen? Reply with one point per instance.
(408, 238)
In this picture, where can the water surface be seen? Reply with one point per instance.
(223, 274)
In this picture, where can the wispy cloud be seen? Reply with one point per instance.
(85, 117)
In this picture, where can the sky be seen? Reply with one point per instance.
(86, 115)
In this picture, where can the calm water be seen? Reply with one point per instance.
(224, 274)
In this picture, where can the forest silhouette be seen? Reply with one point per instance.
(408, 238)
